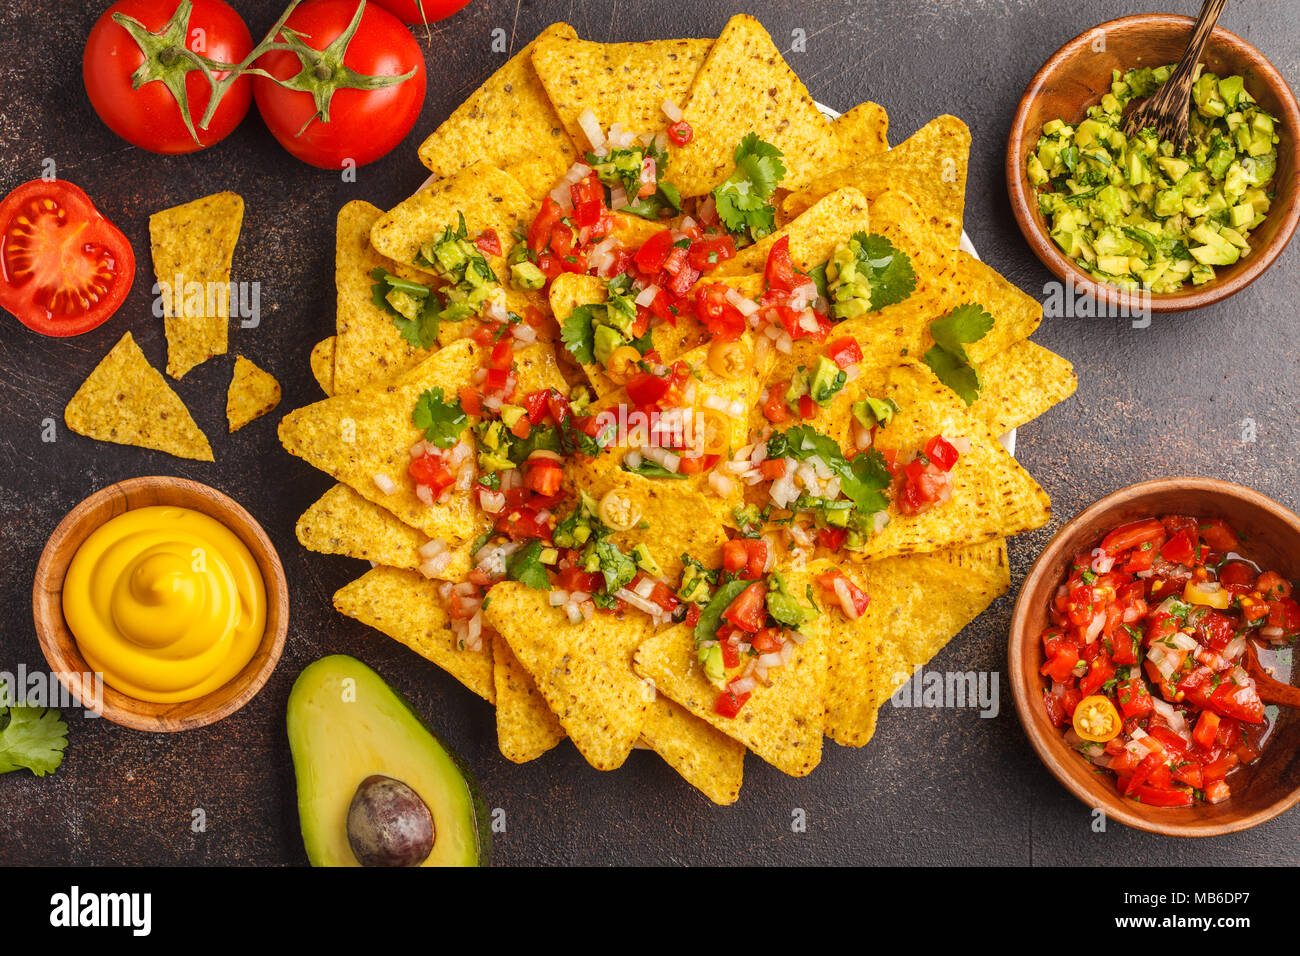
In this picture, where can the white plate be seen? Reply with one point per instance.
(1009, 439)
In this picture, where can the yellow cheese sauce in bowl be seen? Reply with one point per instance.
(161, 601)
(166, 602)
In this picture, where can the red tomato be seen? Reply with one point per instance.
(706, 254)
(734, 555)
(1060, 667)
(780, 271)
(150, 117)
(431, 470)
(544, 477)
(421, 11)
(680, 133)
(588, 201)
(654, 252)
(646, 389)
(941, 452)
(729, 703)
(844, 351)
(1181, 548)
(1218, 534)
(748, 611)
(347, 125)
(832, 538)
(767, 640)
(65, 268)
(1131, 535)
(489, 243)
(1134, 698)
(1162, 798)
(775, 409)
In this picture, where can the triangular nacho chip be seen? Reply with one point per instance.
(365, 437)
(583, 670)
(624, 83)
(342, 522)
(508, 122)
(252, 393)
(861, 132)
(930, 166)
(127, 401)
(407, 608)
(526, 727)
(919, 602)
(322, 364)
(706, 758)
(746, 87)
(193, 246)
(1020, 383)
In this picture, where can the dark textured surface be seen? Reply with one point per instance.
(934, 786)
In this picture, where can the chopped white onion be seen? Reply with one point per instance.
(591, 128)
(386, 484)
(671, 110)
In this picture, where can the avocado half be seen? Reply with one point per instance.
(345, 723)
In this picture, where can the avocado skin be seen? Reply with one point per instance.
(475, 824)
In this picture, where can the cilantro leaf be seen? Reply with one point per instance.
(862, 480)
(414, 307)
(441, 420)
(948, 358)
(648, 469)
(891, 276)
(30, 737)
(744, 200)
(579, 335)
(616, 566)
(525, 566)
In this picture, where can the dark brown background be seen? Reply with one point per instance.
(933, 786)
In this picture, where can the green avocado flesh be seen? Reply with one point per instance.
(345, 724)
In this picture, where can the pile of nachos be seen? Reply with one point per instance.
(667, 410)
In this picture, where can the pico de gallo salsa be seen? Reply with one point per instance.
(1145, 653)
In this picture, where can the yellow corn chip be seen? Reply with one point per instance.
(487, 197)
(744, 86)
(342, 522)
(930, 166)
(526, 727)
(253, 392)
(782, 722)
(125, 400)
(322, 364)
(583, 670)
(193, 246)
(862, 131)
(369, 349)
(919, 602)
(1020, 383)
(363, 439)
(706, 758)
(624, 83)
(509, 123)
(406, 607)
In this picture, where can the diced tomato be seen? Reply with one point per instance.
(832, 538)
(767, 640)
(650, 257)
(692, 615)
(1060, 667)
(1190, 773)
(734, 555)
(706, 254)
(680, 133)
(489, 243)
(520, 524)
(1128, 536)
(1181, 548)
(729, 642)
(536, 405)
(1055, 711)
(772, 468)
(471, 401)
(503, 354)
(522, 428)
(1134, 698)
(844, 351)
(1273, 586)
(539, 233)
(646, 389)
(942, 452)
(775, 409)
(729, 703)
(748, 611)
(1218, 534)
(779, 271)
(1285, 614)
(1218, 769)
(807, 407)
(1207, 728)
(432, 471)
(1123, 647)
(756, 558)
(859, 598)
(1162, 798)
(575, 579)
(543, 476)
(719, 316)
(1238, 576)
(1100, 670)
(588, 201)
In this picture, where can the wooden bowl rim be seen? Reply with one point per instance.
(1062, 266)
(59, 646)
(1023, 685)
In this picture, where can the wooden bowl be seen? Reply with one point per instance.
(1076, 76)
(1260, 791)
(60, 647)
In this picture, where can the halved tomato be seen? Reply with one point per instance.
(64, 268)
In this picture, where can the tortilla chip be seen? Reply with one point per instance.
(342, 522)
(744, 86)
(992, 495)
(193, 246)
(930, 166)
(862, 131)
(487, 197)
(127, 401)
(1020, 383)
(782, 722)
(813, 236)
(707, 759)
(407, 608)
(583, 670)
(624, 83)
(369, 349)
(919, 602)
(509, 123)
(357, 436)
(526, 728)
(253, 392)
(322, 364)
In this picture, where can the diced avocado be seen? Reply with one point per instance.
(1235, 183)
(405, 303)
(1052, 127)
(1136, 170)
(837, 517)
(1230, 89)
(644, 561)
(827, 379)
(872, 412)
(1205, 92)
(526, 275)
(548, 556)
(849, 285)
(695, 586)
(1242, 215)
(1175, 169)
(1108, 205)
(605, 339)
(786, 609)
(1113, 265)
(510, 414)
(620, 313)
(798, 387)
(710, 657)
(1037, 174)
(345, 725)
(1087, 132)
(1214, 249)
